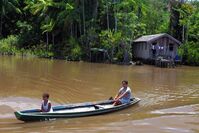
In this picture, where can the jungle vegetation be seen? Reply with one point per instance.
(68, 29)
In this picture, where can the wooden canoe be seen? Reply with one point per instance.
(73, 110)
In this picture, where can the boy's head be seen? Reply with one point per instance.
(124, 83)
(45, 96)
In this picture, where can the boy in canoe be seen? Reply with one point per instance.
(46, 104)
(124, 95)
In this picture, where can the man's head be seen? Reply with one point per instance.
(124, 83)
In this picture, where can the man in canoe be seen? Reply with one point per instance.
(46, 104)
(124, 95)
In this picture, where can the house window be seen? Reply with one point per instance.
(170, 47)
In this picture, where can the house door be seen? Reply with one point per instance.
(171, 50)
(153, 50)
(161, 50)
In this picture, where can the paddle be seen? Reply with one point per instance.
(111, 98)
(98, 106)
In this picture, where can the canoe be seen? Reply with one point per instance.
(73, 110)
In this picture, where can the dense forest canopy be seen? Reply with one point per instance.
(70, 28)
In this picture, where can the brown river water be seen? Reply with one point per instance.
(169, 97)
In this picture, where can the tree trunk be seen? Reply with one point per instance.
(95, 11)
(115, 17)
(53, 39)
(107, 15)
(115, 23)
(1, 24)
(183, 33)
(83, 14)
(76, 29)
(80, 28)
(71, 29)
(112, 53)
(47, 41)
(187, 33)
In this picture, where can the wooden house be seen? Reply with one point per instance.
(153, 46)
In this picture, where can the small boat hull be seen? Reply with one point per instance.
(73, 110)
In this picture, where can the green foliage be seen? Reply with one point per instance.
(119, 56)
(8, 45)
(25, 34)
(185, 12)
(75, 50)
(40, 51)
(23, 26)
(69, 29)
(7, 7)
(189, 17)
(109, 39)
(157, 17)
(193, 34)
(48, 26)
(190, 52)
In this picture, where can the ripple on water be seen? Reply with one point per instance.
(161, 94)
(10, 104)
(176, 130)
(182, 110)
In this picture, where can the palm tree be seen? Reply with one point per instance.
(40, 7)
(49, 18)
(48, 27)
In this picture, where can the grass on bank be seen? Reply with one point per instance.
(10, 46)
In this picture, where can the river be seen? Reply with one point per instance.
(169, 97)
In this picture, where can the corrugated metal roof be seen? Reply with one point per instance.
(149, 38)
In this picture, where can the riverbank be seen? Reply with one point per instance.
(10, 46)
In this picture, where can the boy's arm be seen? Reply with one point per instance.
(42, 110)
(49, 106)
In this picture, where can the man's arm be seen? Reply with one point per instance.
(121, 96)
(117, 95)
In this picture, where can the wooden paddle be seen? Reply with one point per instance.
(98, 107)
